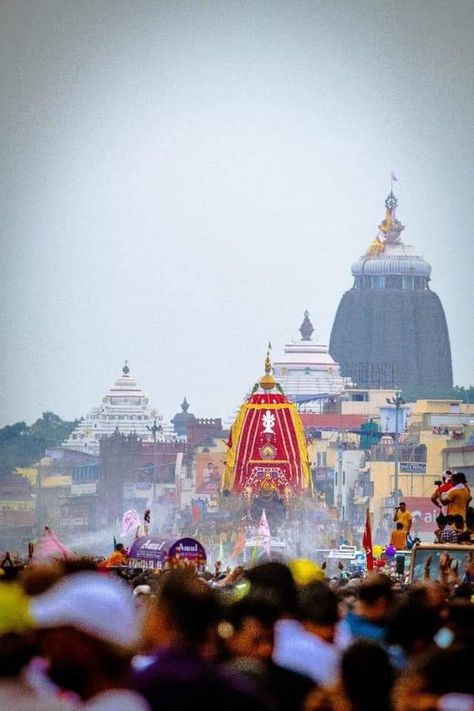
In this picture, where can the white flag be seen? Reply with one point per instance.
(264, 534)
(130, 521)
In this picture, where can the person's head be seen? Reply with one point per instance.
(185, 610)
(17, 635)
(367, 676)
(403, 506)
(413, 626)
(247, 628)
(433, 675)
(375, 597)
(120, 548)
(89, 629)
(449, 520)
(459, 478)
(399, 526)
(319, 609)
(278, 577)
(447, 475)
(441, 520)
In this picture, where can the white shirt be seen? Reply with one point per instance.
(304, 652)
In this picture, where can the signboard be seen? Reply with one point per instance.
(151, 551)
(424, 514)
(388, 419)
(413, 467)
(137, 490)
(209, 470)
(84, 489)
(188, 549)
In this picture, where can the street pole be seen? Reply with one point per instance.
(398, 401)
(396, 455)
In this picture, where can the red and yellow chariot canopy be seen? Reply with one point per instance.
(267, 446)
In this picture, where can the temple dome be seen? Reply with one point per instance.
(183, 419)
(399, 259)
(390, 329)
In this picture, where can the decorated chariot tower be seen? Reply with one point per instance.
(267, 454)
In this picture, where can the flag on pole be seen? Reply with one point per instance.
(394, 178)
(264, 534)
(130, 521)
(367, 543)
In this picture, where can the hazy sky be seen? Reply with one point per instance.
(180, 180)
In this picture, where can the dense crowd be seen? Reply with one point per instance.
(276, 635)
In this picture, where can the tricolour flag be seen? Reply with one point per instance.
(367, 542)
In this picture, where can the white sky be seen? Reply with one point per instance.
(180, 180)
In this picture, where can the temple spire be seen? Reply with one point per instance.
(306, 329)
(126, 369)
(390, 228)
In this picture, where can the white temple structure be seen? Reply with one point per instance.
(124, 409)
(307, 373)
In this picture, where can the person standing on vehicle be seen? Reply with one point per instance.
(458, 497)
(403, 516)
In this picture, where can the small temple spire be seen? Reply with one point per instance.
(185, 405)
(306, 329)
(126, 369)
(268, 381)
(391, 228)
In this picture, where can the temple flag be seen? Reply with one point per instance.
(367, 543)
(264, 534)
(394, 178)
(130, 521)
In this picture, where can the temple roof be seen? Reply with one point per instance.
(181, 420)
(125, 409)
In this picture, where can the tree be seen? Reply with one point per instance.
(22, 445)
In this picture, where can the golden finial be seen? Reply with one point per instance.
(268, 381)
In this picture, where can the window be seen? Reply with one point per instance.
(378, 282)
(321, 459)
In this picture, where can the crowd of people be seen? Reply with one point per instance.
(276, 635)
